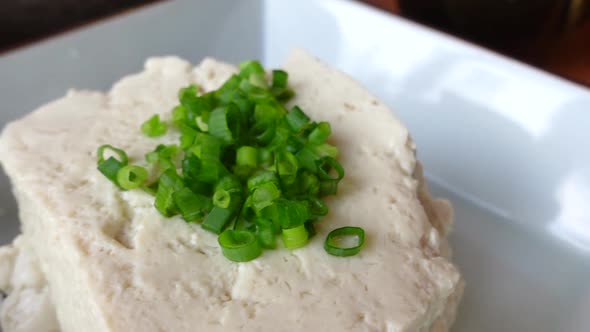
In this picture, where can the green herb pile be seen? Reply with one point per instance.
(245, 168)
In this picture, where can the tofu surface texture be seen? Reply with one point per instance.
(108, 261)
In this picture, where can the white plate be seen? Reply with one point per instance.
(509, 145)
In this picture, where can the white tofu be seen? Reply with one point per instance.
(112, 263)
(28, 307)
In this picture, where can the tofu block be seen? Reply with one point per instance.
(112, 263)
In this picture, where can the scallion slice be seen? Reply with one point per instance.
(262, 178)
(282, 94)
(266, 158)
(131, 176)
(330, 169)
(224, 123)
(221, 198)
(247, 156)
(244, 167)
(121, 155)
(293, 213)
(320, 133)
(250, 67)
(338, 241)
(279, 78)
(287, 166)
(263, 132)
(296, 119)
(325, 150)
(187, 92)
(231, 184)
(266, 233)
(211, 170)
(110, 168)
(164, 156)
(218, 218)
(191, 166)
(294, 144)
(193, 207)
(179, 115)
(153, 127)
(308, 184)
(168, 184)
(295, 237)
(206, 146)
(328, 187)
(317, 207)
(239, 246)
(258, 80)
(264, 195)
(307, 159)
(187, 136)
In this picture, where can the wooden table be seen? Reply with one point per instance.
(567, 55)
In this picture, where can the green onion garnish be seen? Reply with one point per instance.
(279, 79)
(247, 156)
(239, 246)
(164, 156)
(264, 195)
(245, 167)
(131, 176)
(110, 166)
(122, 156)
(295, 237)
(168, 184)
(224, 123)
(336, 241)
(153, 127)
(320, 133)
(221, 198)
(218, 218)
(296, 119)
(193, 207)
(266, 233)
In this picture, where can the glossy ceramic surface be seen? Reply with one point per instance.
(509, 145)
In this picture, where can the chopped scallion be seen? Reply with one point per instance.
(296, 237)
(244, 167)
(264, 195)
(131, 176)
(224, 123)
(296, 119)
(320, 133)
(247, 156)
(338, 241)
(121, 155)
(110, 168)
(266, 233)
(193, 207)
(221, 198)
(239, 246)
(168, 184)
(279, 78)
(153, 127)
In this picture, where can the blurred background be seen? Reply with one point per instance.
(553, 35)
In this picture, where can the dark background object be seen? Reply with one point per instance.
(26, 20)
(553, 35)
(499, 24)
